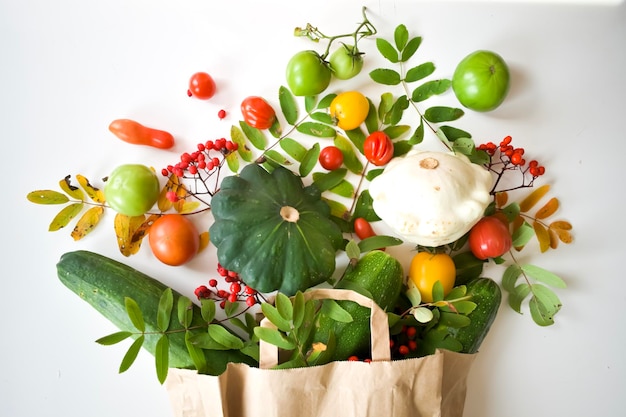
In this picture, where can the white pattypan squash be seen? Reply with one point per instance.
(431, 198)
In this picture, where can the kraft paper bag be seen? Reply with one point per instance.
(432, 386)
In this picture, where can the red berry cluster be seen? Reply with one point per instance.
(238, 290)
(202, 160)
(510, 155)
(404, 342)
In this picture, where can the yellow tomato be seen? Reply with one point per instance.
(349, 109)
(428, 268)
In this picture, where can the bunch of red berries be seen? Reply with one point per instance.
(404, 342)
(510, 155)
(238, 290)
(209, 157)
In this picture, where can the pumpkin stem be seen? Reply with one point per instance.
(289, 214)
(429, 163)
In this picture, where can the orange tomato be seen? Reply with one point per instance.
(428, 268)
(174, 239)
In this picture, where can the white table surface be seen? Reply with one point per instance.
(70, 67)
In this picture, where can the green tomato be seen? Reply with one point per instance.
(346, 62)
(307, 74)
(481, 81)
(132, 189)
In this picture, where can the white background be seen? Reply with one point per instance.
(71, 67)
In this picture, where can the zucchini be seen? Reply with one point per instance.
(104, 283)
(380, 275)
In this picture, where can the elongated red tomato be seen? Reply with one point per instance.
(257, 112)
(489, 238)
(378, 148)
(134, 132)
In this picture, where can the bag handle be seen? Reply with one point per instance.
(379, 325)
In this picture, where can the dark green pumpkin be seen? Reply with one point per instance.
(273, 231)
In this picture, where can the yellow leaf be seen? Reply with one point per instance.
(71, 190)
(561, 224)
(64, 216)
(47, 197)
(501, 198)
(187, 207)
(87, 222)
(533, 198)
(548, 209)
(204, 241)
(554, 239)
(542, 236)
(125, 228)
(94, 193)
(562, 232)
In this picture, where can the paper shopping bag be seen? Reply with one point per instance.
(431, 386)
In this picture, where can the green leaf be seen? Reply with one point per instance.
(322, 116)
(224, 337)
(324, 102)
(511, 211)
(394, 115)
(353, 286)
(400, 36)
(411, 48)
(196, 354)
(364, 207)
(396, 131)
(232, 160)
(343, 189)
(298, 309)
(423, 314)
(335, 311)
(454, 320)
(185, 311)
(309, 103)
(378, 242)
(47, 197)
(437, 291)
(419, 72)
(386, 76)
(309, 160)
(238, 137)
(318, 130)
(284, 306)
(337, 209)
(429, 89)
(275, 156)
(523, 235)
(64, 216)
(387, 50)
(288, 105)
(418, 135)
(414, 296)
(327, 180)
(272, 314)
(352, 250)
(464, 146)
(134, 314)
(538, 314)
(438, 114)
(164, 312)
(131, 354)
(371, 121)
(293, 148)
(452, 133)
(517, 296)
(510, 276)
(544, 276)
(207, 309)
(230, 308)
(547, 299)
(114, 338)
(162, 357)
(274, 337)
(350, 158)
(464, 307)
(255, 136)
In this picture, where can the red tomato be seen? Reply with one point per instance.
(174, 239)
(363, 228)
(489, 238)
(378, 148)
(257, 112)
(331, 158)
(201, 86)
(133, 132)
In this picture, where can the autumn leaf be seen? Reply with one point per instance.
(94, 193)
(542, 236)
(87, 222)
(501, 198)
(204, 241)
(64, 216)
(125, 229)
(562, 229)
(71, 190)
(548, 209)
(47, 197)
(533, 198)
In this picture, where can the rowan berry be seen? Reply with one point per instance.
(412, 345)
(249, 290)
(171, 196)
(250, 301)
(235, 287)
(232, 297)
(213, 282)
(193, 170)
(411, 332)
(221, 114)
(403, 350)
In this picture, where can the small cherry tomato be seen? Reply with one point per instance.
(331, 158)
(363, 228)
(133, 132)
(132, 189)
(257, 112)
(427, 268)
(201, 86)
(378, 148)
(489, 238)
(174, 239)
(349, 109)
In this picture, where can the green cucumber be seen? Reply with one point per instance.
(380, 275)
(105, 283)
